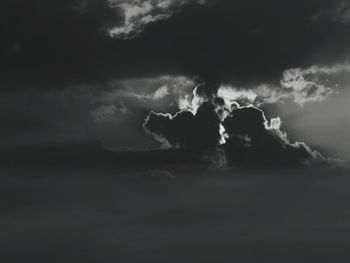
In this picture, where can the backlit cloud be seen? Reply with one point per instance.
(221, 123)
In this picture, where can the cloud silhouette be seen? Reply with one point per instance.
(242, 132)
(253, 140)
(186, 130)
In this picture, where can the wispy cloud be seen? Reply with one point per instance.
(137, 14)
(313, 84)
(125, 96)
(109, 112)
(342, 12)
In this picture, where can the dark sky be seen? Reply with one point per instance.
(87, 70)
(50, 43)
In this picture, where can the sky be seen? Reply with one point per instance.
(127, 125)
(88, 70)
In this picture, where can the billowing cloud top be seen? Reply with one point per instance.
(243, 132)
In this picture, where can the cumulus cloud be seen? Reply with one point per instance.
(307, 85)
(186, 114)
(242, 132)
(137, 14)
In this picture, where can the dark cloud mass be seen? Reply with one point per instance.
(244, 133)
(185, 130)
(252, 141)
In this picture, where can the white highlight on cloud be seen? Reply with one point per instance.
(139, 13)
(161, 92)
(164, 143)
(223, 134)
(275, 123)
(274, 126)
(191, 102)
(232, 94)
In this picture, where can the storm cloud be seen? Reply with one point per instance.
(244, 133)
